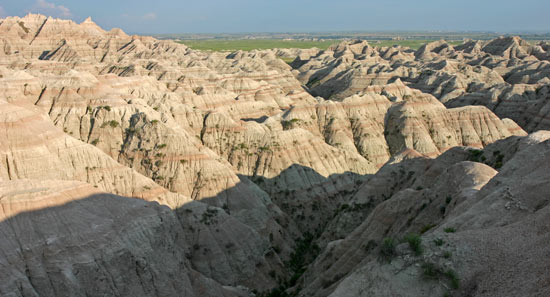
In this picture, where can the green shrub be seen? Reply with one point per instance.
(371, 244)
(438, 241)
(453, 278)
(415, 243)
(449, 230)
(387, 249)
(432, 271)
(429, 270)
(287, 125)
(113, 124)
(475, 155)
(426, 228)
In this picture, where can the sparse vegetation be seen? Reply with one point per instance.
(415, 243)
(475, 155)
(387, 249)
(499, 158)
(112, 124)
(430, 270)
(305, 249)
(449, 230)
(313, 82)
(439, 242)
(259, 44)
(371, 244)
(208, 217)
(453, 278)
(434, 272)
(289, 124)
(426, 228)
(251, 44)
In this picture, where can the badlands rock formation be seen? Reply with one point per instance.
(131, 166)
(508, 75)
(66, 238)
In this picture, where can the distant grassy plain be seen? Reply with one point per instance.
(261, 44)
(251, 44)
(414, 44)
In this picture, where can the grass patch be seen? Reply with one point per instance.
(287, 60)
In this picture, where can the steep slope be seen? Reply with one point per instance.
(63, 238)
(473, 220)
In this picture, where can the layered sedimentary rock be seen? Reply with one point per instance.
(467, 212)
(258, 174)
(508, 75)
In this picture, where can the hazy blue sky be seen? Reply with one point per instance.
(214, 16)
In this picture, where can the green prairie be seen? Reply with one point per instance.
(251, 44)
(260, 44)
(414, 44)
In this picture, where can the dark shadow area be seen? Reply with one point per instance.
(128, 242)
(305, 196)
(258, 120)
(101, 245)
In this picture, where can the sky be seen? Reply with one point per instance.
(217, 16)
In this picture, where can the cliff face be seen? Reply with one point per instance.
(242, 174)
